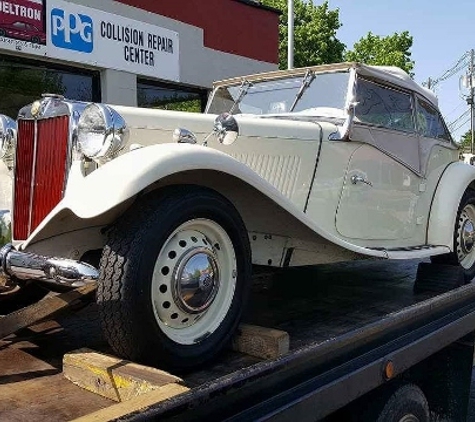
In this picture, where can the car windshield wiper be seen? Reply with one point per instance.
(243, 89)
(306, 81)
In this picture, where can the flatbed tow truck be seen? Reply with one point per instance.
(367, 339)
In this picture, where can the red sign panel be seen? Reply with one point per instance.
(23, 24)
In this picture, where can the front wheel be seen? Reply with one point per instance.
(175, 274)
(464, 238)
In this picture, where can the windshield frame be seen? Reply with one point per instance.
(283, 76)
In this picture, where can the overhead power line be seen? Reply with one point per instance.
(461, 125)
(454, 110)
(461, 63)
(452, 124)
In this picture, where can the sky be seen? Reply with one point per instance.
(443, 31)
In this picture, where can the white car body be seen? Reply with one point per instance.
(285, 168)
(166, 211)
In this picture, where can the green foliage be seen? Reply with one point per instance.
(465, 142)
(173, 101)
(315, 30)
(21, 85)
(392, 50)
(193, 106)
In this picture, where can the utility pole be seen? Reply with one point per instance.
(470, 99)
(290, 30)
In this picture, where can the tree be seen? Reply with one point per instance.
(315, 30)
(465, 142)
(392, 50)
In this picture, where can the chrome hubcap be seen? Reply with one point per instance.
(466, 237)
(196, 281)
(468, 234)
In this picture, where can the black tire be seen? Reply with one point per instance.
(453, 258)
(406, 403)
(2, 32)
(28, 294)
(35, 39)
(127, 310)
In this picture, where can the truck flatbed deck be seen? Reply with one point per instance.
(345, 323)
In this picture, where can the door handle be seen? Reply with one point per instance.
(360, 179)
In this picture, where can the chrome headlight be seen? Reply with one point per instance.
(102, 132)
(8, 136)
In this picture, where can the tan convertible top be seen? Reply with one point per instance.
(389, 74)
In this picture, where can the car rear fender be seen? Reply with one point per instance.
(456, 179)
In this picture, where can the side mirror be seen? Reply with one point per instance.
(226, 126)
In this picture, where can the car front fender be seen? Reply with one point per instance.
(98, 199)
(129, 174)
(455, 180)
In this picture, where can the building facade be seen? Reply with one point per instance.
(130, 52)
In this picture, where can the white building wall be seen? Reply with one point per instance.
(199, 65)
(118, 87)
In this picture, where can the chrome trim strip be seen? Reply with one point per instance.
(33, 176)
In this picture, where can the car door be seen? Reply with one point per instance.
(382, 180)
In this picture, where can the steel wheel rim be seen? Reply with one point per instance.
(188, 306)
(466, 237)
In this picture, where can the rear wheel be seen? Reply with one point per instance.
(174, 277)
(464, 238)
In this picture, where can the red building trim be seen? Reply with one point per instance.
(230, 26)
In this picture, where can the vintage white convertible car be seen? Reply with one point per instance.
(167, 211)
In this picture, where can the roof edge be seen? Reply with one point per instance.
(259, 5)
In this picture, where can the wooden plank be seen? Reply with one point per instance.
(138, 403)
(265, 343)
(114, 378)
(46, 308)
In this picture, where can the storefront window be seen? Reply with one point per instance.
(22, 82)
(167, 97)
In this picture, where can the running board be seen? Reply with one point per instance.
(410, 252)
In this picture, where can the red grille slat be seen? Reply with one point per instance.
(50, 172)
(51, 160)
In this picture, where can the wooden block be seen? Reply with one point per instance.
(116, 379)
(138, 403)
(265, 343)
(46, 308)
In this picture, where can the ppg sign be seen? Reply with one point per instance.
(73, 31)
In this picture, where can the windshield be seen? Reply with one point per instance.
(325, 94)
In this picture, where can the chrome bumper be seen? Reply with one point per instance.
(29, 266)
